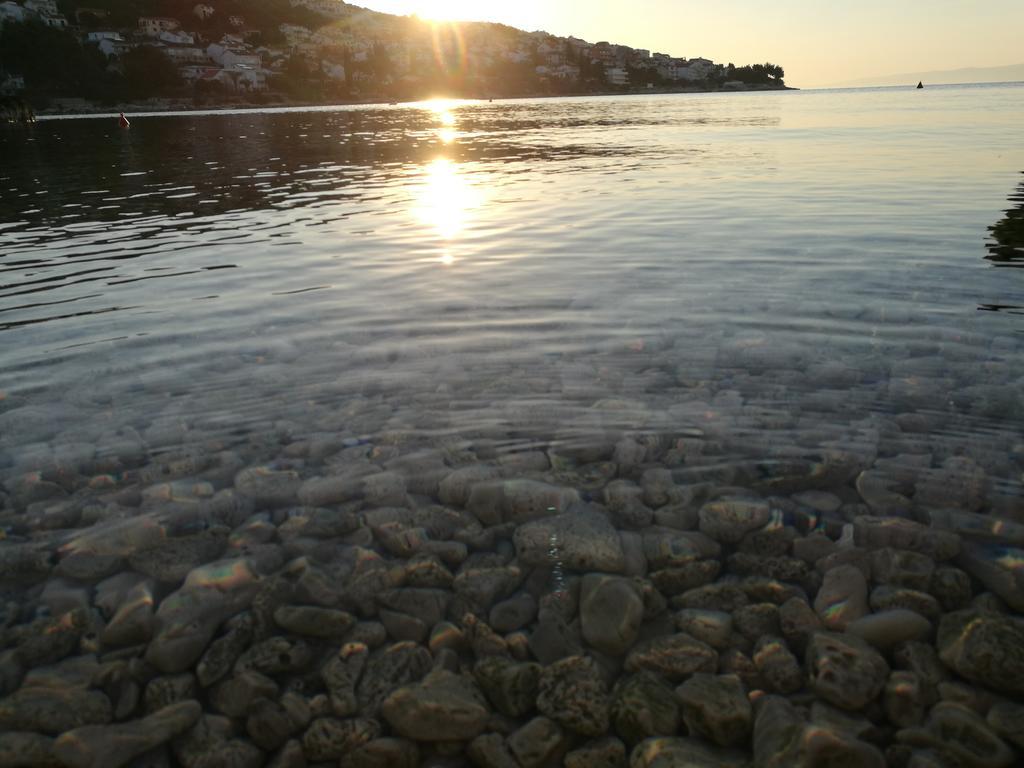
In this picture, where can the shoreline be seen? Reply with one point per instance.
(91, 109)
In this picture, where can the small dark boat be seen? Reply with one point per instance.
(920, 85)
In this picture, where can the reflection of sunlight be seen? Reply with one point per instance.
(447, 135)
(442, 109)
(445, 199)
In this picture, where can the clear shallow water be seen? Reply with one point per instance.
(765, 272)
(277, 392)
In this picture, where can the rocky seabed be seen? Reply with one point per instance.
(359, 604)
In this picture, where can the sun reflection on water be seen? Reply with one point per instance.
(445, 201)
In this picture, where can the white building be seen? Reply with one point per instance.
(332, 70)
(617, 76)
(96, 37)
(152, 26)
(176, 37)
(10, 11)
(203, 11)
(42, 7)
(185, 54)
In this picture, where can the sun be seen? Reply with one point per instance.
(446, 10)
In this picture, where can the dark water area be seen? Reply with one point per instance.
(557, 432)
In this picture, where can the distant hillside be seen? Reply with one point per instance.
(216, 52)
(1006, 74)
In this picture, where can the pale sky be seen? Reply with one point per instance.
(819, 42)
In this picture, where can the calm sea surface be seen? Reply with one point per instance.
(747, 277)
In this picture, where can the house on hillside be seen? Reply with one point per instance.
(616, 76)
(47, 12)
(11, 84)
(152, 26)
(202, 11)
(176, 37)
(10, 11)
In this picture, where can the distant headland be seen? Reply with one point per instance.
(156, 54)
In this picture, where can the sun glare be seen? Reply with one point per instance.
(446, 199)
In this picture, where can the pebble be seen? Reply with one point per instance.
(889, 628)
(643, 706)
(984, 648)
(442, 707)
(843, 597)
(112, 746)
(611, 610)
(716, 707)
(844, 670)
(583, 540)
(573, 693)
(674, 657)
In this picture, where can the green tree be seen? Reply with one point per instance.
(149, 72)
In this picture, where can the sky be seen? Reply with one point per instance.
(819, 42)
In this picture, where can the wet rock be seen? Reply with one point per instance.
(47, 640)
(341, 674)
(328, 738)
(490, 751)
(480, 588)
(553, 639)
(268, 488)
(518, 501)
(961, 736)
(819, 501)
(573, 693)
(777, 665)
(683, 578)
(877, 489)
(782, 739)
(716, 708)
(134, 622)
(721, 596)
(900, 533)
(952, 588)
(667, 548)
(170, 560)
(112, 746)
(608, 752)
(27, 750)
(644, 706)
(385, 753)
(959, 484)
(798, 621)
(711, 627)
(510, 686)
(1007, 719)
(998, 568)
(275, 656)
(269, 725)
(317, 523)
(314, 622)
(728, 520)
(514, 613)
(537, 743)
(887, 598)
(844, 670)
(443, 707)
(290, 756)
(209, 743)
(24, 564)
(673, 657)
(901, 568)
(582, 540)
(889, 628)
(755, 621)
(923, 660)
(455, 488)
(53, 710)
(395, 666)
(221, 655)
(234, 696)
(187, 619)
(904, 699)
(162, 692)
(611, 610)
(665, 752)
(843, 597)
(984, 648)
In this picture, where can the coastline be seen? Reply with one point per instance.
(85, 108)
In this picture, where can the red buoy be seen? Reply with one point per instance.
(123, 121)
